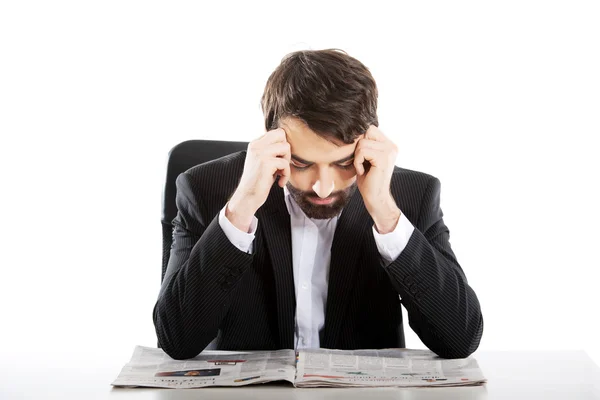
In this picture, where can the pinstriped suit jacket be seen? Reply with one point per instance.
(212, 287)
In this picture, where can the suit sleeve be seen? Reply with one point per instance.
(443, 309)
(204, 268)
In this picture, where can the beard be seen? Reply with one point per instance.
(321, 211)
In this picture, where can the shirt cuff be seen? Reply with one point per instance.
(238, 238)
(391, 244)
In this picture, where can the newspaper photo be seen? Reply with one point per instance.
(152, 367)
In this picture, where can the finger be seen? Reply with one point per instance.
(274, 136)
(359, 156)
(373, 156)
(285, 176)
(282, 167)
(358, 162)
(372, 144)
(279, 149)
(374, 133)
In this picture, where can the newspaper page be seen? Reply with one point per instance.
(388, 367)
(152, 367)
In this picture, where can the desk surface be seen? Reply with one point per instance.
(511, 375)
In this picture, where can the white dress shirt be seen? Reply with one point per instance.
(311, 256)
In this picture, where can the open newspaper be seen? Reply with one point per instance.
(151, 367)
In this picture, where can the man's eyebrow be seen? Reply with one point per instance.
(303, 161)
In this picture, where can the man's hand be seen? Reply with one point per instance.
(267, 157)
(374, 182)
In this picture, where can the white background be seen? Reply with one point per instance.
(499, 100)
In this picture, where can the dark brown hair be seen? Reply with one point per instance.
(333, 93)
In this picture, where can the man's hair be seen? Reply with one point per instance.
(333, 93)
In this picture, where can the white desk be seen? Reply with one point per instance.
(514, 375)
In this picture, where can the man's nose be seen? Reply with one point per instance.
(324, 185)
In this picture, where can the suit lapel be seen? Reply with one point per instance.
(274, 220)
(350, 234)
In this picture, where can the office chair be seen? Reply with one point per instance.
(181, 158)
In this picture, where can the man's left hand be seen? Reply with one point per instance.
(374, 182)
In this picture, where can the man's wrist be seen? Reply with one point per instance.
(238, 214)
(387, 217)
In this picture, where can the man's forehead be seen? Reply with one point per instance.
(307, 146)
(320, 151)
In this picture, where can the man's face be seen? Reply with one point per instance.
(323, 177)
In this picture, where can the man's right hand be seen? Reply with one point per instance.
(267, 157)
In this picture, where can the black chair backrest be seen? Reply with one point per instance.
(181, 158)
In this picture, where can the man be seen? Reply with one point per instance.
(313, 237)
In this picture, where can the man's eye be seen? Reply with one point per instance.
(346, 166)
(297, 166)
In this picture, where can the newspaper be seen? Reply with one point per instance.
(388, 367)
(151, 367)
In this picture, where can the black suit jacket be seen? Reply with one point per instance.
(211, 287)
